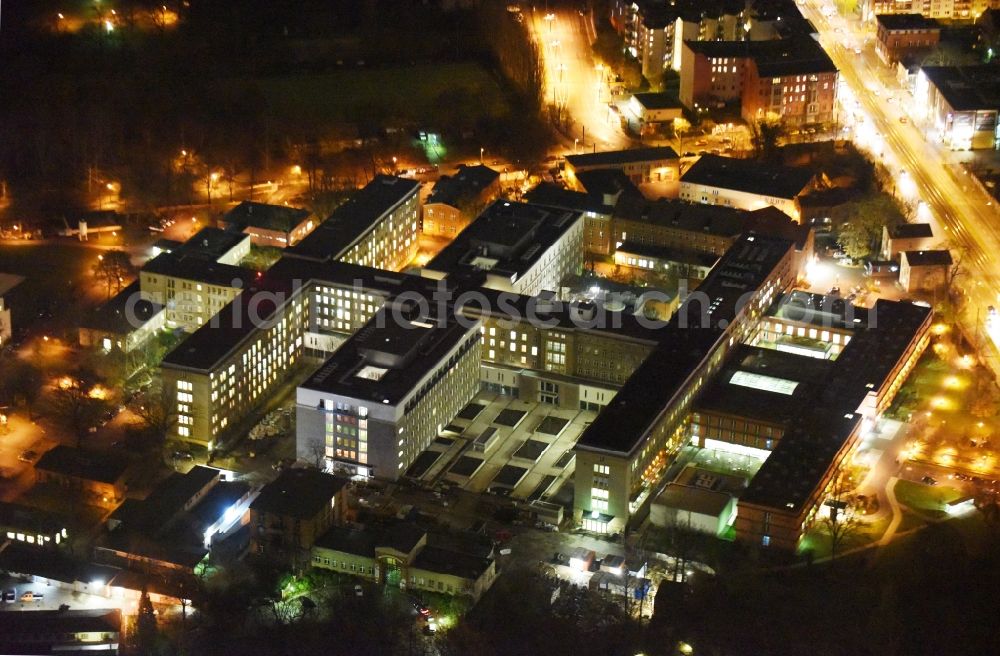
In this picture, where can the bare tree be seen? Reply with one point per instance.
(317, 451)
(113, 268)
(840, 522)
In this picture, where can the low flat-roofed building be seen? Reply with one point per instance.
(899, 35)
(407, 556)
(376, 227)
(961, 103)
(515, 247)
(457, 199)
(277, 226)
(8, 282)
(61, 631)
(596, 209)
(173, 529)
(96, 478)
(906, 237)
(648, 164)
(31, 526)
(125, 323)
(387, 392)
(652, 110)
(293, 510)
(746, 184)
(926, 271)
(693, 508)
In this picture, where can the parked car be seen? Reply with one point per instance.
(28, 456)
(358, 591)
(9, 595)
(928, 480)
(31, 596)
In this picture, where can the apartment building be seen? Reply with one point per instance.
(900, 35)
(624, 452)
(276, 226)
(652, 164)
(515, 247)
(457, 199)
(791, 79)
(945, 9)
(387, 392)
(961, 103)
(292, 511)
(654, 30)
(377, 227)
(746, 184)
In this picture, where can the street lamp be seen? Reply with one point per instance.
(575, 142)
(481, 151)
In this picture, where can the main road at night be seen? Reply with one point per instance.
(964, 217)
(573, 79)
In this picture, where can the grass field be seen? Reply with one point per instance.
(402, 92)
(925, 499)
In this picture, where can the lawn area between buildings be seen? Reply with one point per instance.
(406, 93)
(925, 499)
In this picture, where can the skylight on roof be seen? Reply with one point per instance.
(766, 383)
(371, 373)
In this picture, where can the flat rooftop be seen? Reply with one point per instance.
(749, 176)
(821, 310)
(658, 100)
(298, 493)
(694, 499)
(764, 384)
(507, 239)
(9, 281)
(966, 88)
(928, 258)
(911, 231)
(389, 356)
(688, 338)
(103, 467)
(616, 158)
(350, 222)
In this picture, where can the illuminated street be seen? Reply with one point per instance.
(965, 219)
(573, 79)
